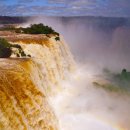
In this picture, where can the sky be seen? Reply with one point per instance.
(108, 8)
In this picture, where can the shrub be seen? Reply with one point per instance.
(37, 29)
(57, 38)
(5, 52)
(4, 43)
(7, 49)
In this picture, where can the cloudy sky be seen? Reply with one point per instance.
(118, 8)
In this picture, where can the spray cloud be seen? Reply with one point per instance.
(96, 43)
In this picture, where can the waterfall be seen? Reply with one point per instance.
(49, 91)
(27, 83)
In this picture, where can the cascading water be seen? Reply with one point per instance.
(26, 84)
(23, 105)
(50, 92)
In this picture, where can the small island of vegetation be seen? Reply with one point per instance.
(119, 82)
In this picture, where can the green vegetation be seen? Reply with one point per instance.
(119, 82)
(7, 49)
(38, 29)
(33, 29)
(122, 78)
(57, 38)
(125, 75)
(110, 87)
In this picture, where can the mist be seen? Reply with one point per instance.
(99, 40)
(81, 106)
(97, 43)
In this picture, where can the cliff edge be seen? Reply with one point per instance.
(27, 83)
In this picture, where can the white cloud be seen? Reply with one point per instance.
(119, 8)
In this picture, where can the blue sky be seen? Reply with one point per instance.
(115, 8)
